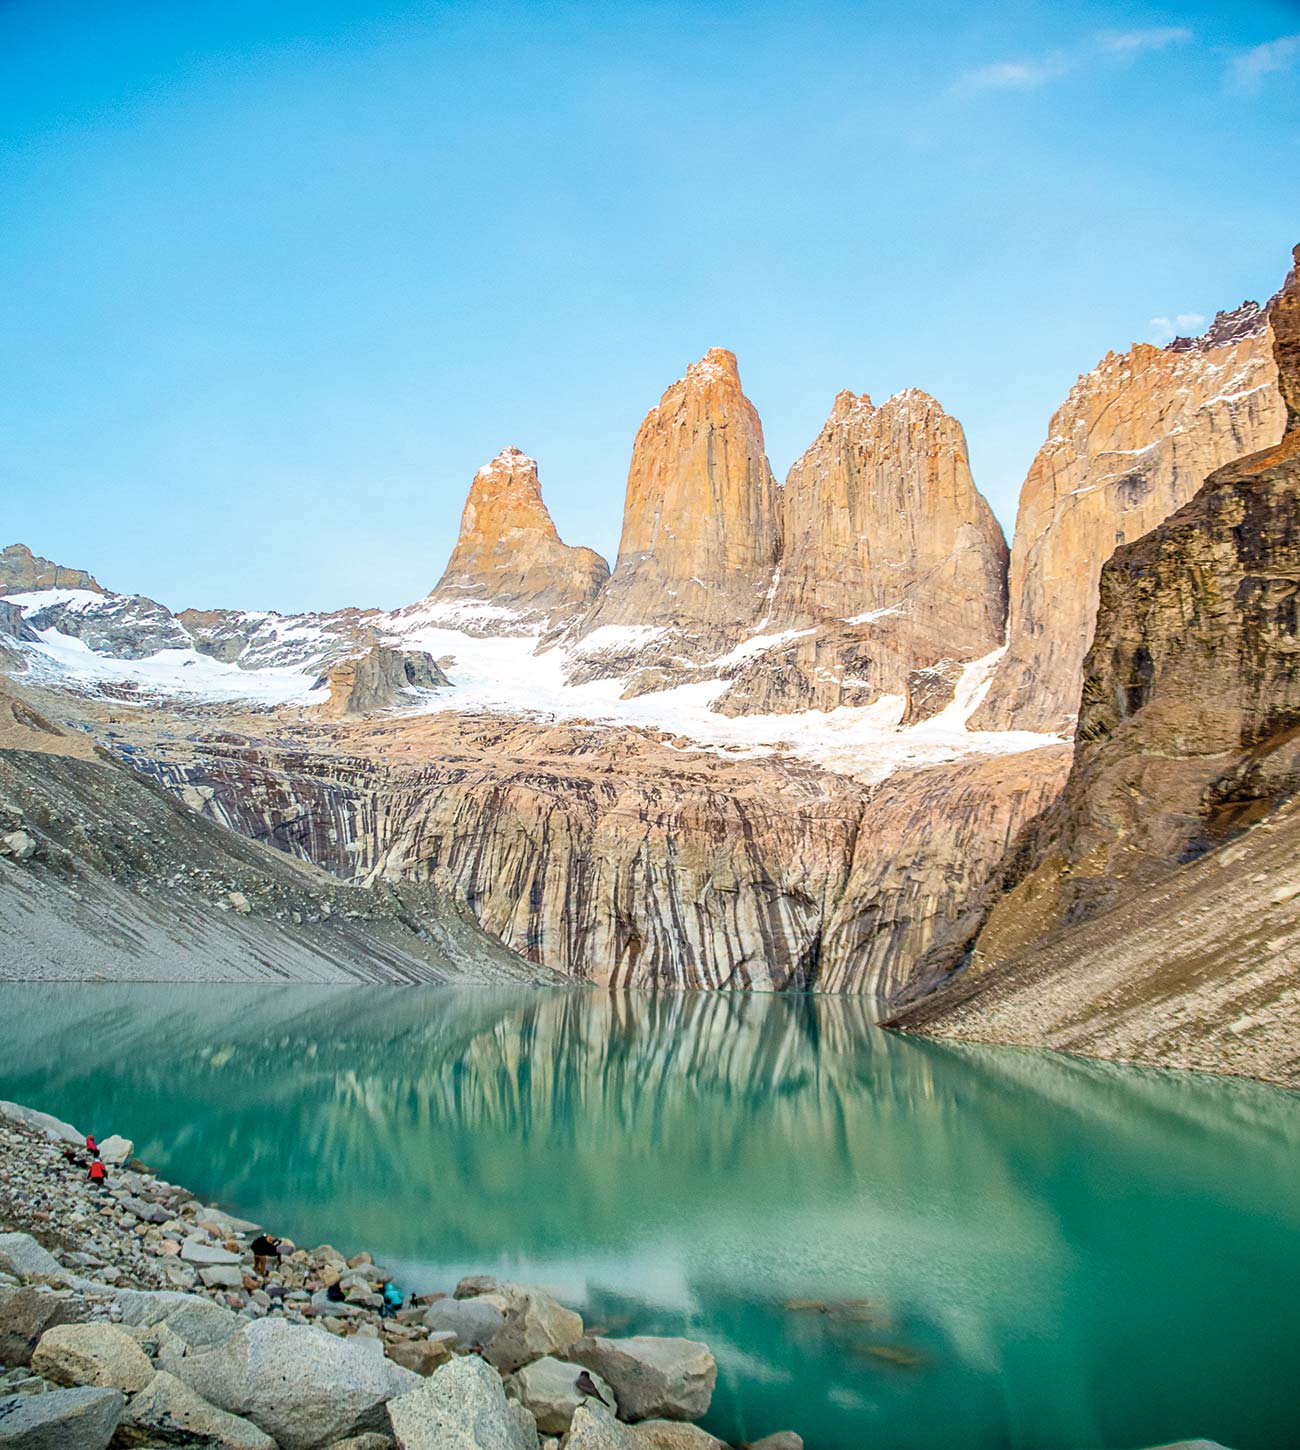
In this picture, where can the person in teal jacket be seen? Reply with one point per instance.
(393, 1299)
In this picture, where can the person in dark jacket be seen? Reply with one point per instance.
(265, 1248)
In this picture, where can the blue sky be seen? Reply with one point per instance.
(276, 279)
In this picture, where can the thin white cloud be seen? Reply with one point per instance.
(1013, 75)
(1028, 74)
(1185, 324)
(1274, 57)
(1134, 42)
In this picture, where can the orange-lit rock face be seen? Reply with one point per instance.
(1133, 442)
(509, 556)
(701, 527)
(881, 513)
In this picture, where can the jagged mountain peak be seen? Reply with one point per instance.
(21, 571)
(510, 571)
(1248, 320)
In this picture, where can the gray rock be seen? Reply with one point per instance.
(26, 1313)
(782, 1440)
(43, 1123)
(18, 844)
(80, 1419)
(168, 1412)
(198, 1321)
(114, 1150)
(321, 1304)
(302, 1385)
(654, 1378)
(205, 1253)
(678, 1435)
(461, 1407)
(224, 1276)
(548, 1389)
(535, 1325)
(472, 1285)
(594, 1428)
(104, 1355)
(226, 1223)
(470, 1320)
(23, 1257)
(369, 1441)
(149, 1212)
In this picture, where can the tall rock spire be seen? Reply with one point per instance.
(510, 571)
(701, 526)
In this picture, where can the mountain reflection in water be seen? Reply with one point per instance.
(885, 1241)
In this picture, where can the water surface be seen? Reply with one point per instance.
(1043, 1252)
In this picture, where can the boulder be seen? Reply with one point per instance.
(461, 1407)
(548, 1389)
(80, 1419)
(303, 1386)
(170, 1413)
(369, 1441)
(470, 1320)
(43, 1123)
(198, 1321)
(104, 1355)
(653, 1377)
(18, 844)
(782, 1440)
(423, 1356)
(205, 1253)
(149, 1212)
(678, 1435)
(26, 1313)
(594, 1428)
(223, 1276)
(115, 1150)
(473, 1285)
(535, 1325)
(23, 1257)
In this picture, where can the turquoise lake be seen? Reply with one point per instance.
(1004, 1248)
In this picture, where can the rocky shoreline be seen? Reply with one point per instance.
(133, 1315)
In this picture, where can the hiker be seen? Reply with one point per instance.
(265, 1248)
(97, 1173)
(91, 1146)
(393, 1299)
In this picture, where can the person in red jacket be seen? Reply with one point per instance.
(98, 1174)
(91, 1146)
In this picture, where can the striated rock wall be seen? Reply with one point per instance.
(1180, 809)
(1133, 442)
(510, 571)
(616, 856)
(928, 842)
(701, 529)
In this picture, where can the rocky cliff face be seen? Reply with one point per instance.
(379, 678)
(701, 530)
(1133, 442)
(893, 564)
(1180, 808)
(509, 571)
(21, 572)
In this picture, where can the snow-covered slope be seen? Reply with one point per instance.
(100, 645)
